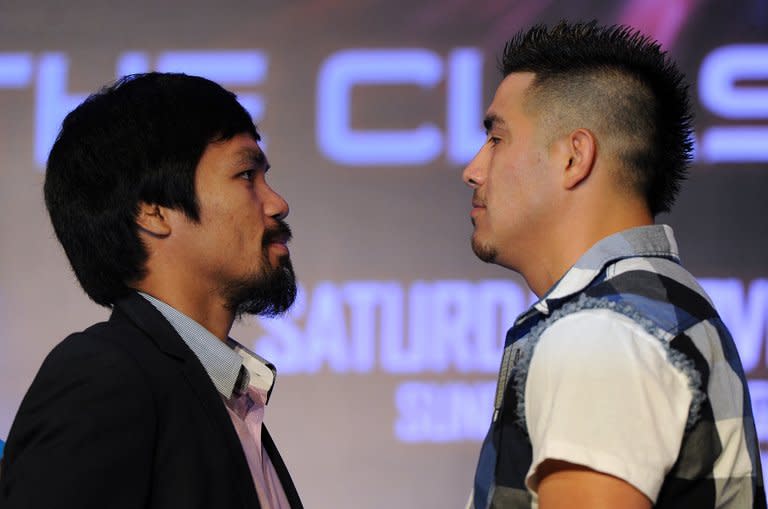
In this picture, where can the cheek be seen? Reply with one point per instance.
(504, 186)
(250, 228)
(517, 199)
(224, 225)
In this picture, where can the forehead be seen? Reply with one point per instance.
(510, 95)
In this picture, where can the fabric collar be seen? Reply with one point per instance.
(231, 367)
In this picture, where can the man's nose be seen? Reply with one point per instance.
(275, 205)
(473, 172)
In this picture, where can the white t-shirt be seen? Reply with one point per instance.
(601, 393)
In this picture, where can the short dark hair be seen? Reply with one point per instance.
(137, 140)
(622, 80)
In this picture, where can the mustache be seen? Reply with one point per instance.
(281, 232)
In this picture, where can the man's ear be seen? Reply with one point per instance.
(581, 151)
(153, 219)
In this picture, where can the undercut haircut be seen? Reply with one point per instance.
(621, 85)
(136, 141)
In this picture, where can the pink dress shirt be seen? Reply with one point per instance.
(247, 414)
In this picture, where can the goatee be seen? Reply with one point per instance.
(272, 290)
(485, 252)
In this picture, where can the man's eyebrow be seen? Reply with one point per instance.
(252, 157)
(492, 120)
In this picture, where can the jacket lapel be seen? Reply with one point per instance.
(154, 324)
(282, 472)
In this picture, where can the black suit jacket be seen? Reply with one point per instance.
(123, 415)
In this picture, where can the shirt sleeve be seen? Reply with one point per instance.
(600, 393)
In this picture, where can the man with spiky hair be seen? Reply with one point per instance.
(620, 387)
(156, 189)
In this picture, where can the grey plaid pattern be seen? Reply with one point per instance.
(637, 272)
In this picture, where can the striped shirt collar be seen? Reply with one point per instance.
(231, 366)
(653, 240)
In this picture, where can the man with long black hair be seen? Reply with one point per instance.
(156, 190)
(620, 387)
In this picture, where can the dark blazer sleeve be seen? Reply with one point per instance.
(83, 435)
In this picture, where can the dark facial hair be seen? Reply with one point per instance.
(272, 290)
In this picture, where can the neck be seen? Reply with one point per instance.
(574, 233)
(201, 305)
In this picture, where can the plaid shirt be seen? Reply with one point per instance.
(636, 273)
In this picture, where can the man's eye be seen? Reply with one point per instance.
(493, 140)
(247, 175)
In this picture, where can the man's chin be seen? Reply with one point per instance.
(269, 294)
(484, 251)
